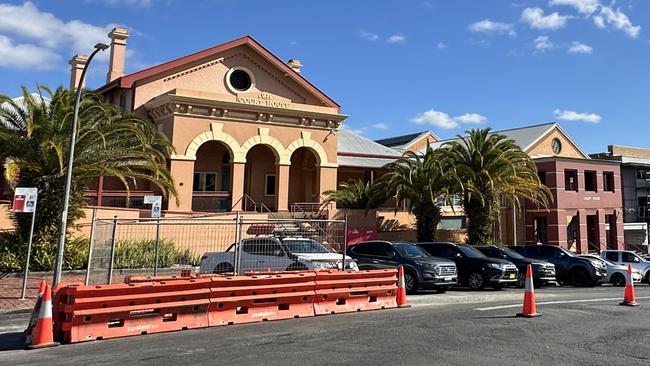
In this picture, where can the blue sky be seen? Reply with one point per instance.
(395, 66)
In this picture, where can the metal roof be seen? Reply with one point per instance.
(400, 140)
(524, 137)
(350, 142)
(361, 162)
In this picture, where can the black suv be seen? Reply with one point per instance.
(421, 270)
(569, 268)
(543, 271)
(475, 270)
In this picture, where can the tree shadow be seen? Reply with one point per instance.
(495, 317)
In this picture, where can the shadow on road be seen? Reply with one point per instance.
(12, 341)
(495, 317)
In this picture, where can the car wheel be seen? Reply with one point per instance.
(617, 280)
(580, 278)
(475, 281)
(411, 282)
(647, 278)
(442, 290)
(222, 268)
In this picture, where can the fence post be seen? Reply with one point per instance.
(345, 239)
(113, 241)
(238, 232)
(155, 268)
(90, 246)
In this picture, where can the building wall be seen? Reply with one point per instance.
(544, 148)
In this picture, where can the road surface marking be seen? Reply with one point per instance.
(555, 302)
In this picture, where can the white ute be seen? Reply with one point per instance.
(275, 254)
(625, 257)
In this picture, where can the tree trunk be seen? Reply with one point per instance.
(480, 222)
(426, 222)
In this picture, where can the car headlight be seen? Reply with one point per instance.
(324, 265)
(495, 265)
(431, 266)
(353, 264)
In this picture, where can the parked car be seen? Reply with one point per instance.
(543, 271)
(276, 254)
(569, 268)
(475, 270)
(616, 273)
(421, 270)
(625, 257)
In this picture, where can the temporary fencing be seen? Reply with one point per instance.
(85, 313)
(230, 244)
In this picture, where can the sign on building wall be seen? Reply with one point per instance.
(25, 199)
(156, 205)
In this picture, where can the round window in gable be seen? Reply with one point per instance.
(556, 145)
(240, 79)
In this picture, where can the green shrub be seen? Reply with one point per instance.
(142, 254)
(13, 253)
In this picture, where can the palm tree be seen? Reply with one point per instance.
(355, 194)
(493, 171)
(424, 181)
(34, 145)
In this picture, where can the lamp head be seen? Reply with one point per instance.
(102, 46)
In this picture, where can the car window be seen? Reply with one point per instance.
(549, 252)
(629, 258)
(612, 256)
(385, 250)
(490, 252)
(532, 251)
(304, 246)
(410, 250)
(511, 253)
(470, 252)
(261, 246)
(363, 248)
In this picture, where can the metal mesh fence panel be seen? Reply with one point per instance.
(150, 247)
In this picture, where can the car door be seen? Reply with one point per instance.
(364, 254)
(613, 257)
(259, 254)
(557, 257)
(386, 256)
(628, 258)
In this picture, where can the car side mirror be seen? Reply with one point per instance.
(562, 254)
(458, 255)
(392, 254)
(636, 260)
(278, 253)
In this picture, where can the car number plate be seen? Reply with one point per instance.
(448, 278)
(513, 276)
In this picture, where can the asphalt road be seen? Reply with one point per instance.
(578, 326)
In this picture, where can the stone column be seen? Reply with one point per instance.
(237, 184)
(183, 173)
(282, 188)
(326, 179)
(601, 230)
(581, 232)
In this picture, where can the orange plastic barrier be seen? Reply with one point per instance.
(344, 292)
(87, 313)
(248, 299)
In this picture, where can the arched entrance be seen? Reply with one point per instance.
(260, 178)
(304, 181)
(211, 183)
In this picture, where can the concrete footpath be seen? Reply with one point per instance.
(578, 327)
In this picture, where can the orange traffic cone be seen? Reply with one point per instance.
(43, 334)
(530, 307)
(35, 311)
(401, 289)
(629, 299)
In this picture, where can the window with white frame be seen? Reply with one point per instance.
(204, 182)
(269, 184)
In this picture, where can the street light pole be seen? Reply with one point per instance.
(68, 181)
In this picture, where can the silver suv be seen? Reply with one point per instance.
(625, 257)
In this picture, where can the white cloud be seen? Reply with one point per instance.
(441, 45)
(582, 6)
(617, 19)
(25, 56)
(488, 26)
(369, 36)
(380, 126)
(543, 43)
(396, 38)
(577, 47)
(602, 15)
(536, 19)
(577, 116)
(443, 120)
(42, 30)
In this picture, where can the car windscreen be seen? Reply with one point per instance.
(511, 253)
(470, 252)
(410, 250)
(304, 246)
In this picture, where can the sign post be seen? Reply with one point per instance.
(156, 204)
(25, 201)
